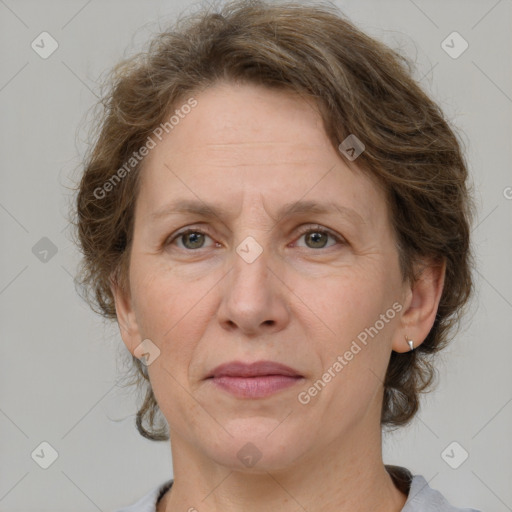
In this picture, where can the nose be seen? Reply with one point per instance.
(254, 300)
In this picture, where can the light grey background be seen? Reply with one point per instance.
(59, 363)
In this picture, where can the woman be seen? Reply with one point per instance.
(278, 218)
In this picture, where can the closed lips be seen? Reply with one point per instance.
(256, 369)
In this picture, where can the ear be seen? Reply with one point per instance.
(420, 307)
(125, 313)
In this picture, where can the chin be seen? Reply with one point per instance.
(257, 445)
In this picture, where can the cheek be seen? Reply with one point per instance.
(163, 311)
(163, 298)
(347, 303)
(354, 353)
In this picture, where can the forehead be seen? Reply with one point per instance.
(253, 122)
(242, 140)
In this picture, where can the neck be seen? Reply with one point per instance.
(353, 480)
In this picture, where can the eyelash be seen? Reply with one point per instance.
(304, 231)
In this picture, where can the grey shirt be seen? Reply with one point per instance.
(420, 496)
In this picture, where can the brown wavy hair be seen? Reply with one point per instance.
(360, 85)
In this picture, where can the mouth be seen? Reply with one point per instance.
(254, 380)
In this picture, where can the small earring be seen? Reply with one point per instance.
(410, 342)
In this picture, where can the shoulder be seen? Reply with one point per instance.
(148, 502)
(420, 496)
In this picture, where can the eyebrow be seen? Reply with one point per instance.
(202, 209)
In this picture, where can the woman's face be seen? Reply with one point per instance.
(318, 291)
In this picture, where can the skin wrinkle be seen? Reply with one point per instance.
(347, 217)
(296, 305)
